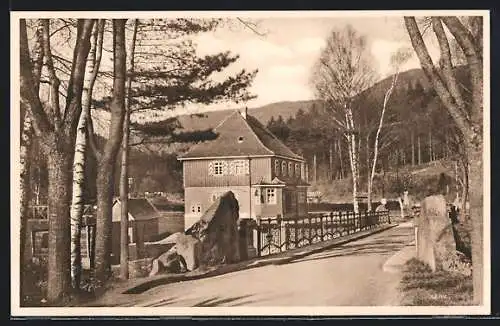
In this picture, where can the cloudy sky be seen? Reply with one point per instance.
(285, 55)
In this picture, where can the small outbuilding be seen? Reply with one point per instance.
(143, 225)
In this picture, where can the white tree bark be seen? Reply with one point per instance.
(353, 157)
(77, 200)
(377, 138)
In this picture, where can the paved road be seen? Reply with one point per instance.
(349, 275)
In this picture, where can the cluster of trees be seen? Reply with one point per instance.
(417, 129)
(447, 109)
(64, 78)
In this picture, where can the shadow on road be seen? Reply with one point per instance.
(213, 302)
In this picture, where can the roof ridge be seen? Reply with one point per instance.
(225, 119)
(253, 133)
(274, 136)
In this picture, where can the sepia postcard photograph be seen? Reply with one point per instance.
(239, 163)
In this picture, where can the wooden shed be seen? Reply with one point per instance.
(143, 224)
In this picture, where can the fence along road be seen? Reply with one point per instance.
(278, 235)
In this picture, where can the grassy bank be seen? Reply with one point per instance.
(422, 287)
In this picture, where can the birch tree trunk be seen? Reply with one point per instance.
(77, 200)
(106, 165)
(124, 185)
(387, 96)
(355, 172)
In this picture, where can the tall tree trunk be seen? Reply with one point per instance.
(476, 212)
(24, 194)
(469, 122)
(124, 184)
(430, 146)
(330, 156)
(419, 149)
(341, 159)
(59, 195)
(56, 131)
(412, 148)
(26, 144)
(354, 160)
(106, 166)
(315, 167)
(77, 201)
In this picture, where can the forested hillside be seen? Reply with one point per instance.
(412, 132)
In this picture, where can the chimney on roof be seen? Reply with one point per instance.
(244, 112)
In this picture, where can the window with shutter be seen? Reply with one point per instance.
(218, 167)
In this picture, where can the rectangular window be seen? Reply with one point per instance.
(270, 196)
(240, 167)
(297, 170)
(283, 168)
(277, 167)
(218, 168)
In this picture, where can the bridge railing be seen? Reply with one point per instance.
(276, 235)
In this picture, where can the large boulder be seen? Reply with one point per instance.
(170, 262)
(435, 241)
(217, 231)
(189, 249)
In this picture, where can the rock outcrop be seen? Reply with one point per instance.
(217, 231)
(189, 248)
(435, 241)
(212, 240)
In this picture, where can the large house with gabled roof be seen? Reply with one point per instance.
(267, 178)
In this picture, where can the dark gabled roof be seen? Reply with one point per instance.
(238, 136)
(141, 209)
